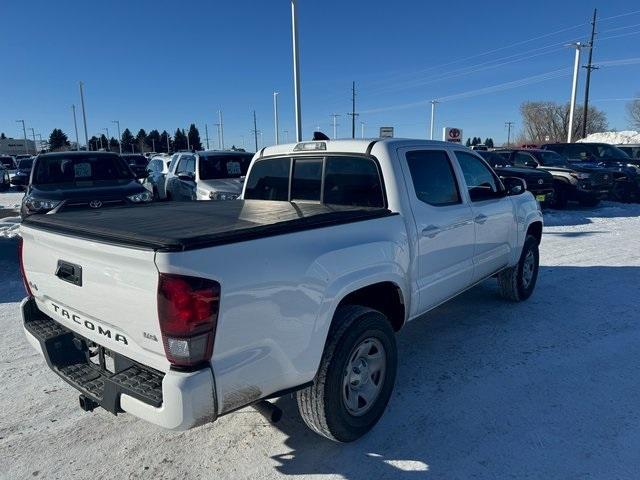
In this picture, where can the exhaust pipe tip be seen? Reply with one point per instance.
(269, 411)
(87, 404)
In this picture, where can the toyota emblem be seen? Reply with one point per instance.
(540, 181)
(95, 203)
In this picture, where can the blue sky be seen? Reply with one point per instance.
(158, 64)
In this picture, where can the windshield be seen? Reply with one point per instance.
(7, 161)
(609, 151)
(492, 158)
(551, 159)
(138, 160)
(80, 168)
(220, 166)
(25, 164)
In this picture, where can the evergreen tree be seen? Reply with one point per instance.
(113, 145)
(58, 140)
(153, 140)
(127, 141)
(104, 142)
(179, 140)
(2, 136)
(194, 138)
(94, 143)
(141, 139)
(162, 145)
(468, 144)
(489, 142)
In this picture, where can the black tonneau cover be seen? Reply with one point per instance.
(178, 226)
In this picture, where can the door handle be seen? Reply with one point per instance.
(431, 231)
(480, 219)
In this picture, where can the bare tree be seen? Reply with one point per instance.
(633, 112)
(549, 122)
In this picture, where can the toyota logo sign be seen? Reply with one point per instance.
(95, 203)
(452, 134)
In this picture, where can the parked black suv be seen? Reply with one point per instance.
(21, 178)
(137, 162)
(585, 184)
(539, 182)
(623, 168)
(73, 180)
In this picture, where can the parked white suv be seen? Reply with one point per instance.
(192, 310)
(207, 175)
(157, 171)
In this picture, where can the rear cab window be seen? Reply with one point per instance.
(334, 179)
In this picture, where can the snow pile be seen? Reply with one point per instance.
(10, 227)
(614, 138)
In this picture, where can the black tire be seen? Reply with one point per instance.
(621, 192)
(590, 202)
(156, 196)
(560, 197)
(512, 281)
(321, 405)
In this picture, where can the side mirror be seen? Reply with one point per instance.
(531, 164)
(186, 176)
(514, 185)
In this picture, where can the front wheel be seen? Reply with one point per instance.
(517, 283)
(355, 378)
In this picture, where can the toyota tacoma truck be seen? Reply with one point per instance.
(181, 312)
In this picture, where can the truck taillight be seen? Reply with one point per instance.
(188, 313)
(22, 272)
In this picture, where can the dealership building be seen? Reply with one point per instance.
(14, 146)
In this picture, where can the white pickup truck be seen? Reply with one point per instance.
(181, 312)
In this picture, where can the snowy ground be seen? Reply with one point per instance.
(547, 389)
(9, 216)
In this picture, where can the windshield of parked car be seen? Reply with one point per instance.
(609, 151)
(223, 166)
(492, 158)
(25, 164)
(79, 168)
(138, 160)
(7, 161)
(551, 159)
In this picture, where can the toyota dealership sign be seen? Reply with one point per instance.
(452, 134)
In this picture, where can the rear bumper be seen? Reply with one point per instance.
(173, 400)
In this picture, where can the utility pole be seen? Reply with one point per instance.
(433, 115)
(221, 130)
(335, 125)
(33, 134)
(84, 115)
(108, 139)
(361, 129)
(188, 143)
(39, 140)
(206, 135)
(117, 122)
(255, 128)
(75, 125)
(574, 89)
(508, 125)
(353, 110)
(275, 116)
(286, 136)
(24, 131)
(168, 144)
(589, 67)
(296, 70)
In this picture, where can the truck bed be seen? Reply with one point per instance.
(180, 226)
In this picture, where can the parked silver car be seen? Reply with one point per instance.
(155, 181)
(207, 175)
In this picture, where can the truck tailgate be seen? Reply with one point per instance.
(103, 292)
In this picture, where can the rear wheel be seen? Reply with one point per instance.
(517, 283)
(560, 197)
(355, 378)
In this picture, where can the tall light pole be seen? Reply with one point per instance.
(39, 140)
(221, 130)
(84, 115)
(335, 125)
(361, 129)
(24, 131)
(117, 122)
(296, 70)
(255, 130)
(286, 136)
(75, 125)
(219, 139)
(574, 88)
(108, 139)
(168, 144)
(188, 143)
(33, 134)
(275, 117)
(206, 135)
(433, 115)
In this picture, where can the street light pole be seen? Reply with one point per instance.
(574, 89)
(335, 125)
(33, 134)
(221, 130)
(275, 117)
(206, 135)
(84, 115)
(361, 129)
(296, 70)
(108, 139)
(75, 125)
(433, 115)
(117, 122)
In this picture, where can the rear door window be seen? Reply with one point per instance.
(433, 179)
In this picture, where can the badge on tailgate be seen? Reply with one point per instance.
(69, 272)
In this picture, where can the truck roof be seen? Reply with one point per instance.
(361, 146)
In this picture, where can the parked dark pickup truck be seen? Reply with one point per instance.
(624, 169)
(539, 182)
(586, 184)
